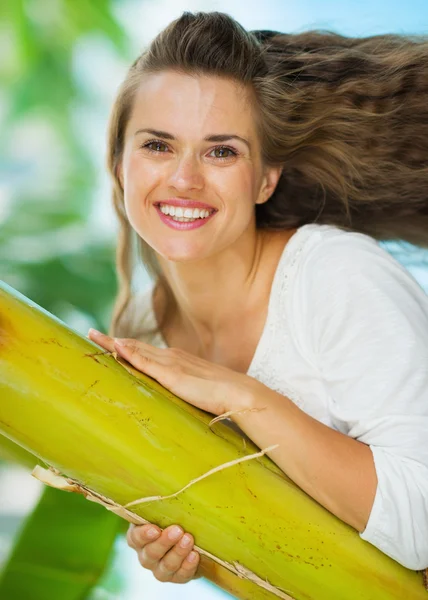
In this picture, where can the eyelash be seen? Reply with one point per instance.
(234, 152)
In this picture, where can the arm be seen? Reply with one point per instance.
(361, 322)
(363, 327)
(336, 470)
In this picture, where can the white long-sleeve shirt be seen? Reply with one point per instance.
(346, 339)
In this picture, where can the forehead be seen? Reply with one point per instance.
(192, 105)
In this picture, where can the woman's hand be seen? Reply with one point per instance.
(168, 553)
(204, 384)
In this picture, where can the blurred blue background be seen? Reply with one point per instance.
(61, 65)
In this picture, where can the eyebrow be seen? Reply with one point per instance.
(222, 137)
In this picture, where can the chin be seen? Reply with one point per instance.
(180, 252)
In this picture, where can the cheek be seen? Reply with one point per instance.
(139, 173)
(140, 177)
(237, 188)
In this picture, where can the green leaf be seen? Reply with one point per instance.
(62, 550)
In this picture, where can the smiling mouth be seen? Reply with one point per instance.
(183, 222)
(184, 213)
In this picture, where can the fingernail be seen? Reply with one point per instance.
(174, 533)
(94, 331)
(152, 532)
(185, 541)
(192, 556)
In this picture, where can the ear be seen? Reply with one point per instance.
(269, 182)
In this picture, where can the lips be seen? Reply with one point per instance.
(183, 225)
(184, 203)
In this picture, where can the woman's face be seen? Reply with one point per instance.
(169, 157)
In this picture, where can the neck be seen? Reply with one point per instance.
(217, 294)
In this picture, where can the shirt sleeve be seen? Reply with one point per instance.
(367, 322)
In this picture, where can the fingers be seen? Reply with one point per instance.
(188, 569)
(101, 339)
(138, 535)
(135, 350)
(151, 553)
(143, 356)
(168, 555)
(174, 566)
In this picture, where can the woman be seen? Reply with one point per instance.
(257, 171)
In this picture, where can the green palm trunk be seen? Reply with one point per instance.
(126, 437)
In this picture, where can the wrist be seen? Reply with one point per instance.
(245, 399)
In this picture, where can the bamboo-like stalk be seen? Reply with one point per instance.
(13, 453)
(124, 438)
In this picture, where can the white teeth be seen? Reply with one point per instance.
(189, 213)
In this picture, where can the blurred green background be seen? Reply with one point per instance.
(61, 63)
(58, 61)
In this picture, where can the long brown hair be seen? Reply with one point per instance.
(347, 118)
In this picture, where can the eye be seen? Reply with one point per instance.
(157, 146)
(221, 150)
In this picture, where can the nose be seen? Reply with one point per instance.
(186, 174)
